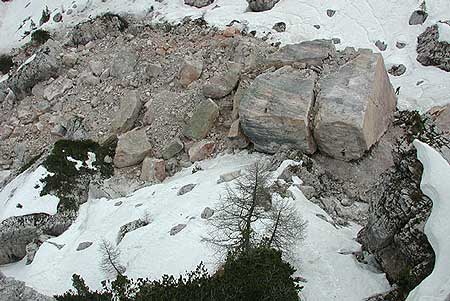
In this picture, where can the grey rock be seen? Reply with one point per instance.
(418, 17)
(221, 85)
(228, 177)
(57, 88)
(317, 26)
(198, 3)
(381, 45)
(171, 150)
(201, 150)
(397, 70)
(190, 71)
(129, 227)
(124, 62)
(130, 105)
(57, 17)
(176, 229)
(279, 27)
(276, 109)
(84, 245)
(308, 52)
(330, 12)
(153, 170)
(117, 204)
(355, 107)
(70, 59)
(132, 148)
(10, 97)
(186, 188)
(400, 45)
(207, 213)
(202, 120)
(14, 290)
(261, 5)
(431, 51)
(96, 67)
(237, 99)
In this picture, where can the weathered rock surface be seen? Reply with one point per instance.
(198, 3)
(153, 170)
(57, 88)
(201, 150)
(84, 245)
(431, 51)
(14, 290)
(308, 52)
(355, 107)
(190, 71)
(221, 85)
(202, 120)
(176, 229)
(131, 226)
(186, 188)
(261, 5)
(132, 148)
(124, 62)
(130, 105)
(276, 110)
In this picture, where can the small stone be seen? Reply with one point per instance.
(132, 148)
(84, 245)
(177, 229)
(418, 17)
(201, 150)
(381, 45)
(397, 70)
(400, 45)
(57, 17)
(153, 70)
(317, 26)
(153, 170)
(330, 12)
(117, 204)
(96, 67)
(130, 105)
(279, 27)
(207, 213)
(186, 188)
(108, 159)
(336, 40)
(221, 85)
(202, 120)
(87, 78)
(70, 59)
(190, 71)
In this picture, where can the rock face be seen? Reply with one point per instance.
(203, 119)
(176, 229)
(124, 62)
(153, 170)
(308, 52)
(355, 106)
(276, 110)
(431, 51)
(171, 150)
(131, 226)
(130, 105)
(261, 5)
(198, 3)
(132, 148)
(15, 290)
(221, 85)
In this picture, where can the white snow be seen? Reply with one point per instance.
(444, 32)
(357, 23)
(78, 163)
(25, 190)
(4, 78)
(435, 184)
(151, 252)
(86, 164)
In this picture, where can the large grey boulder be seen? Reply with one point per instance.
(130, 105)
(198, 3)
(355, 107)
(221, 85)
(132, 148)
(14, 290)
(261, 5)
(202, 120)
(276, 110)
(308, 52)
(124, 62)
(431, 51)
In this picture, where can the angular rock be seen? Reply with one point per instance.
(69, 59)
(228, 177)
(130, 105)
(129, 227)
(84, 245)
(221, 85)
(418, 17)
(96, 67)
(207, 213)
(190, 71)
(132, 148)
(330, 12)
(400, 45)
(202, 120)
(237, 99)
(381, 45)
(124, 62)
(431, 51)
(174, 148)
(177, 228)
(236, 136)
(201, 150)
(397, 70)
(279, 27)
(153, 70)
(261, 5)
(308, 52)
(276, 110)
(153, 170)
(87, 78)
(355, 107)
(186, 188)
(198, 3)
(57, 88)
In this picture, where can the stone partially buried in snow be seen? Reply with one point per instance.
(308, 52)
(124, 62)
(221, 85)
(130, 105)
(132, 148)
(202, 120)
(186, 188)
(355, 107)
(84, 245)
(276, 109)
(153, 170)
(201, 150)
(261, 5)
(198, 3)
(176, 229)
(418, 17)
(57, 88)
(207, 213)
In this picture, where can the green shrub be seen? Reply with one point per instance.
(6, 63)
(40, 36)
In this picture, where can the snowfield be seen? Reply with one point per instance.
(150, 251)
(357, 23)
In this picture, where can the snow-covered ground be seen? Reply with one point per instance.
(435, 184)
(357, 23)
(25, 190)
(150, 251)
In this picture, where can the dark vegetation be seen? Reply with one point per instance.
(256, 274)
(6, 63)
(68, 183)
(40, 36)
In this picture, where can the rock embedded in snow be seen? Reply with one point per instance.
(330, 12)
(228, 177)
(202, 120)
(355, 107)
(129, 227)
(132, 148)
(207, 213)
(130, 105)
(84, 245)
(201, 150)
(431, 51)
(276, 110)
(57, 17)
(190, 71)
(261, 5)
(153, 170)
(221, 85)
(397, 70)
(308, 52)
(124, 62)
(186, 188)
(418, 17)
(400, 45)
(381, 45)
(279, 27)
(176, 229)
(198, 3)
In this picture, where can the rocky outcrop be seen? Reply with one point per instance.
(190, 71)
(355, 107)
(276, 110)
(14, 290)
(261, 5)
(431, 51)
(132, 148)
(202, 120)
(130, 105)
